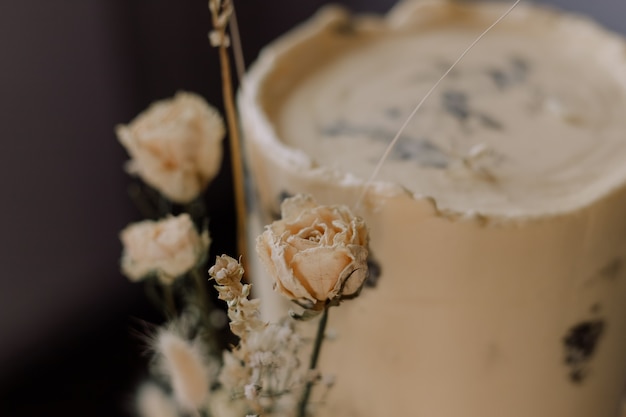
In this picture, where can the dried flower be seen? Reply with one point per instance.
(169, 248)
(243, 313)
(175, 146)
(183, 363)
(234, 373)
(251, 391)
(227, 271)
(221, 12)
(315, 254)
(152, 401)
(264, 367)
(223, 404)
(218, 38)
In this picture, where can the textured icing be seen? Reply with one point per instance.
(518, 312)
(523, 126)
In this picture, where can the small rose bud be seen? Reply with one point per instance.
(175, 146)
(168, 248)
(316, 254)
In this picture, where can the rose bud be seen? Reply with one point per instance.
(175, 146)
(168, 248)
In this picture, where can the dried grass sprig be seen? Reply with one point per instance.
(153, 401)
(221, 13)
(186, 367)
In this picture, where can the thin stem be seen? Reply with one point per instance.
(317, 347)
(142, 202)
(235, 154)
(207, 307)
(240, 64)
(205, 302)
(169, 301)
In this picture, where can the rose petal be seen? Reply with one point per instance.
(319, 269)
(356, 276)
(292, 208)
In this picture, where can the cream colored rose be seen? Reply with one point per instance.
(175, 146)
(168, 248)
(315, 253)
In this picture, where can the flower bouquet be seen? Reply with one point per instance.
(317, 255)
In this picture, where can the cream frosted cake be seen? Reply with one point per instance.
(498, 224)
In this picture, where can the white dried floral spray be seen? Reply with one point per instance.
(251, 391)
(183, 363)
(243, 313)
(264, 367)
(153, 401)
(222, 404)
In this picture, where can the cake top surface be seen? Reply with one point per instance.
(531, 122)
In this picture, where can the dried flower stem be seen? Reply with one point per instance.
(221, 12)
(236, 155)
(317, 347)
(205, 302)
(142, 202)
(240, 64)
(169, 303)
(207, 306)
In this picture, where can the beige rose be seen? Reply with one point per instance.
(315, 254)
(168, 248)
(175, 146)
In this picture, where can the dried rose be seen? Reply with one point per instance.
(168, 248)
(316, 254)
(175, 146)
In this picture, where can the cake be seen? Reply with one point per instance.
(498, 223)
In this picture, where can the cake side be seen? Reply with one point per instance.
(479, 313)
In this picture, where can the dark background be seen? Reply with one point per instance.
(70, 71)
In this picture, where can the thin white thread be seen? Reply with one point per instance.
(385, 155)
(240, 64)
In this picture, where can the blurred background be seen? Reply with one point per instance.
(71, 70)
